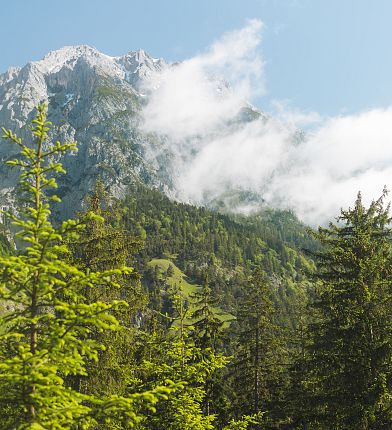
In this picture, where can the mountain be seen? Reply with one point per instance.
(98, 100)
(92, 98)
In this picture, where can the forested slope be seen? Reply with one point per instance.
(227, 248)
(147, 313)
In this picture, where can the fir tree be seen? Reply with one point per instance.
(101, 246)
(260, 358)
(207, 324)
(46, 335)
(351, 353)
(297, 397)
(177, 357)
(207, 332)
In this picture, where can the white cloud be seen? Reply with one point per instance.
(292, 117)
(246, 158)
(343, 156)
(315, 177)
(193, 96)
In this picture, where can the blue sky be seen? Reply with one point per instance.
(329, 56)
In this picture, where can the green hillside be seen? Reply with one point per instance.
(175, 279)
(178, 279)
(226, 248)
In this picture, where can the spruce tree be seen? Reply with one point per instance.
(207, 324)
(351, 354)
(207, 332)
(176, 357)
(46, 335)
(297, 398)
(260, 358)
(101, 246)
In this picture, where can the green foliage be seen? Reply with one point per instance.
(202, 242)
(101, 246)
(244, 422)
(350, 358)
(207, 323)
(47, 333)
(221, 246)
(178, 358)
(260, 358)
(88, 343)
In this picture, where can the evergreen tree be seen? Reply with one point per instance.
(297, 398)
(207, 331)
(101, 246)
(207, 324)
(177, 358)
(46, 335)
(260, 358)
(351, 354)
(245, 422)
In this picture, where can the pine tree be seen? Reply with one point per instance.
(46, 335)
(207, 324)
(351, 353)
(260, 359)
(177, 358)
(207, 331)
(101, 246)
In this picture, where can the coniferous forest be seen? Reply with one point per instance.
(146, 313)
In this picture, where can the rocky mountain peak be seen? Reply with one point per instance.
(92, 98)
(97, 100)
(68, 57)
(139, 66)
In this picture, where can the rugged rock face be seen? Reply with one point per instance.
(98, 101)
(93, 99)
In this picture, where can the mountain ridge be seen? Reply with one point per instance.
(87, 93)
(98, 100)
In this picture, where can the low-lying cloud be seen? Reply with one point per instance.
(314, 174)
(193, 97)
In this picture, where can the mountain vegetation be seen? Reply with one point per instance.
(143, 312)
